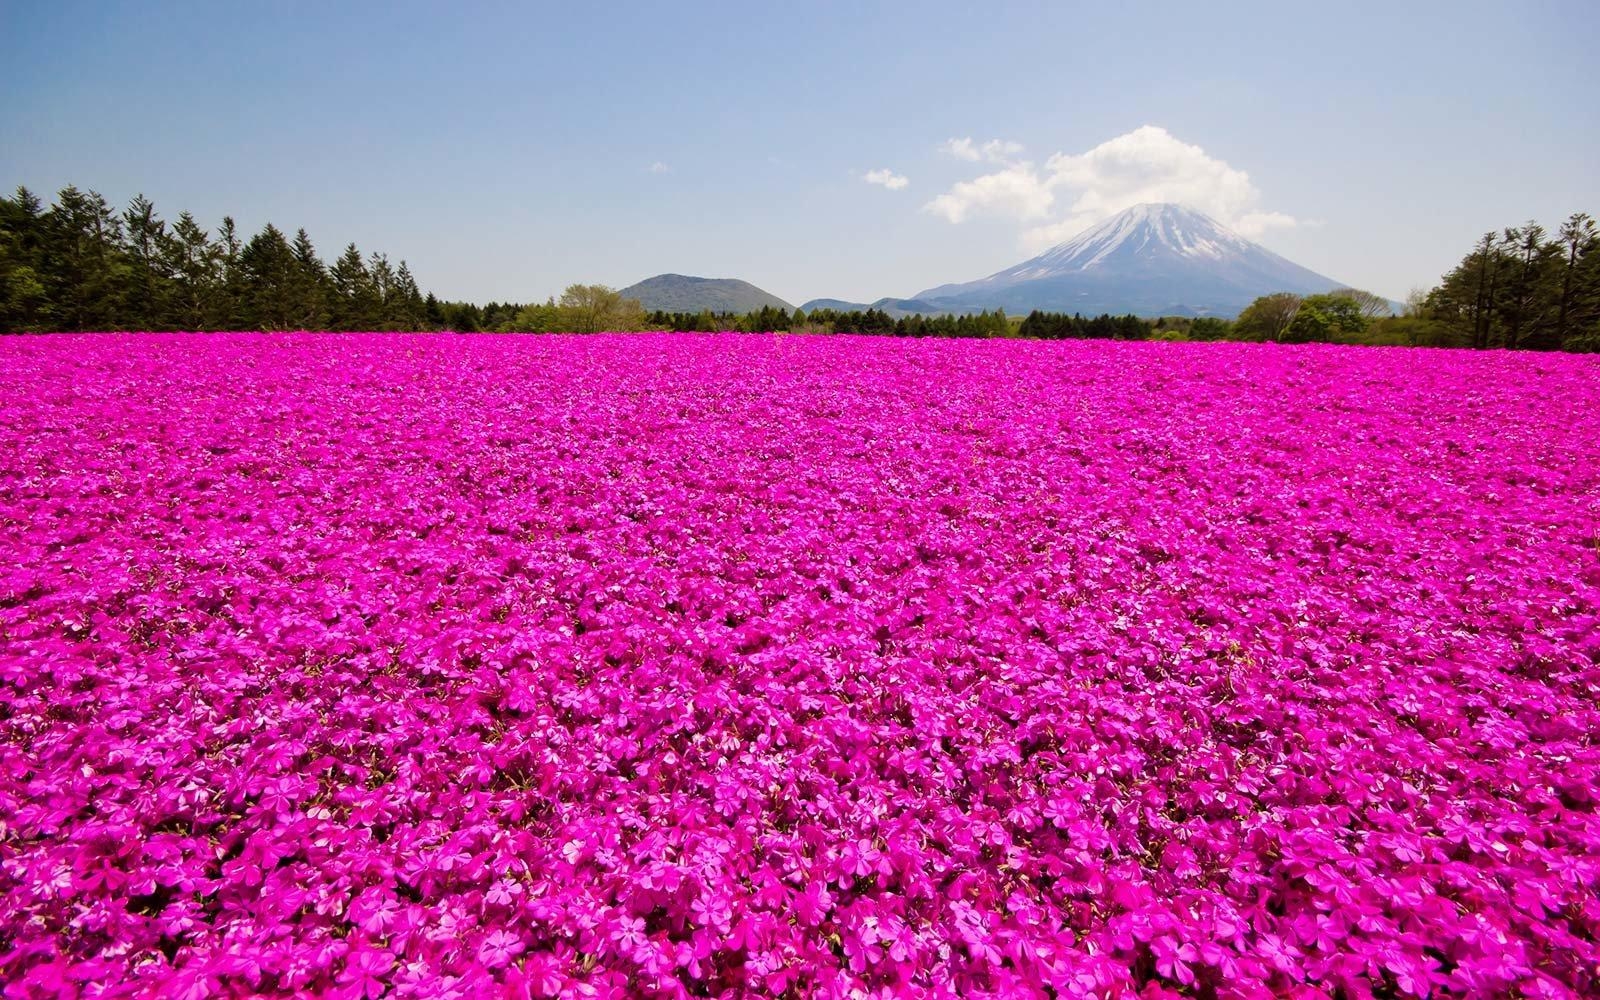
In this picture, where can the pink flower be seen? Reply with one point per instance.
(364, 972)
(405, 665)
(498, 948)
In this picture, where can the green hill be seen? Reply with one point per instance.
(685, 293)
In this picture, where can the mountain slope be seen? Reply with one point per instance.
(896, 308)
(1153, 259)
(685, 293)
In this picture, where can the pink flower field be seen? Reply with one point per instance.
(687, 665)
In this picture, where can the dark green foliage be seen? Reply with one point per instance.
(1325, 319)
(267, 267)
(312, 286)
(194, 266)
(355, 296)
(79, 265)
(1520, 289)
(24, 300)
(873, 322)
(84, 267)
(1059, 326)
(1210, 328)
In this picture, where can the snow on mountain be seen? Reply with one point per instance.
(1147, 229)
(1151, 259)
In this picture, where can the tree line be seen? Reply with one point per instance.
(1525, 289)
(81, 265)
(1517, 289)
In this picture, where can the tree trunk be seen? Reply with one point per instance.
(1566, 296)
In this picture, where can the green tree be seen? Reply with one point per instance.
(593, 308)
(232, 311)
(84, 267)
(311, 288)
(268, 269)
(408, 307)
(195, 265)
(1527, 287)
(355, 303)
(538, 317)
(24, 305)
(1489, 260)
(1579, 243)
(1210, 328)
(150, 287)
(383, 288)
(1325, 318)
(432, 313)
(1268, 317)
(1370, 305)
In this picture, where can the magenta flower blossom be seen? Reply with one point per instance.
(677, 665)
(499, 948)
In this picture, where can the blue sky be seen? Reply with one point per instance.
(507, 150)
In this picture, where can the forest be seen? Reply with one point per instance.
(79, 264)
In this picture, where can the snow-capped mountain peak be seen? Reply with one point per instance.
(1150, 228)
(1151, 258)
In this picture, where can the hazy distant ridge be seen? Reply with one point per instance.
(895, 308)
(688, 294)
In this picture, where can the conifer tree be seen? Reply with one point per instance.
(195, 265)
(85, 272)
(149, 287)
(311, 285)
(383, 288)
(24, 304)
(1579, 240)
(355, 302)
(268, 270)
(230, 299)
(408, 299)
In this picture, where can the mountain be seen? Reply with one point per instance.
(896, 308)
(684, 293)
(1152, 259)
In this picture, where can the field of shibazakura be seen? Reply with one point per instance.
(687, 665)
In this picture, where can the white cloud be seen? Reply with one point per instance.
(962, 149)
(995, 150)
(887, 178)
(1075, 190)
(1253, 224)
(1016, 191)
(658, 168)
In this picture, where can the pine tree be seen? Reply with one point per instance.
(355, 303)
(84, 263)
(312, 286)
(24, 305)
(383, 288)
(232, 311)
(268, 269)
(195, 264)
(149, 285)
(433, 313)
(408, 298)
(1579, 239)
(1522, 285)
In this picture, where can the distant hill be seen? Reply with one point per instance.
(896, 308)
(688, 294)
